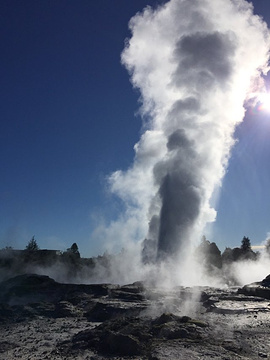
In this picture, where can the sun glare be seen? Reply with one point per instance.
(264, 101)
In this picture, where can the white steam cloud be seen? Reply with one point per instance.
(195, 63)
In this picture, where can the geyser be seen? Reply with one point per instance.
(194, 62)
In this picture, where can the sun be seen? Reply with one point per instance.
(264, 101)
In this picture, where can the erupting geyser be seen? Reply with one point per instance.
(194, 62)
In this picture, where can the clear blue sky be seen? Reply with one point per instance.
(68, 120)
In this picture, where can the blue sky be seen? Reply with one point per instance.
(244, 206)
(68, 119)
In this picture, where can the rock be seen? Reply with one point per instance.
(168, 317)
(133, 321)
(30, 288)
(125, 336)
(6, 313)
(262, 355)
(256, 290)
(259, 289)
(66, 309)
(266, 281)
(136, 335)
(6, 346)
(173, 331)
(27, 288)
(170, 326)
(125, 295)
(204, 296)
(121, 344)
(103, 311)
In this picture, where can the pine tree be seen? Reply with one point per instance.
(32, 245)
(246, 244)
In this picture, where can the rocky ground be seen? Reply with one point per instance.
(43, 319)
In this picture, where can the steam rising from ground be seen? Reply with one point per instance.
(194, 62)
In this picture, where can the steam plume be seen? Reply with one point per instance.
(194, 62)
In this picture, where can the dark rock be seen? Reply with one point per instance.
(126, 295)
(260, 289)
(19, 313)
(85, 339)
(121, 344)
(6, 312)
(266, 281)
(136, 287)
(103, 311)
(111, 309)
(170, 326)
(30, 288)
(135, 336)
(28, 281)
(6, 345)
(169, 317)
(66, 309)
(240, 298)
(209, 304)
(98, 290)
(27, 288)
(125, 336)
(173, 331)
(204, 296)
(255, 289)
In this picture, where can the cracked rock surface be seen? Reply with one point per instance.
(43, 319)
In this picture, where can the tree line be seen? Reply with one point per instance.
(71, 265)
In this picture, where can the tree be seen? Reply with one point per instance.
(246, 244)
(246, 252)
(32, 245)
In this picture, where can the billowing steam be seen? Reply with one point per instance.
(194, 62)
